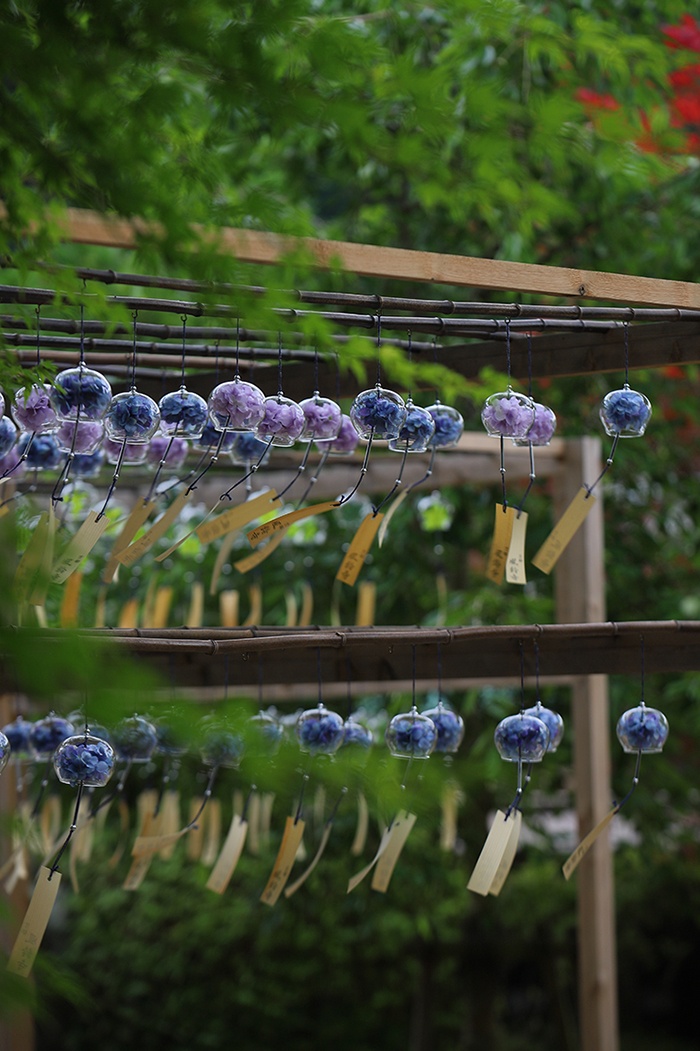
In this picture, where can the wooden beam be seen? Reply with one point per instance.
(573, 354)
(385, 655)
(86, 227)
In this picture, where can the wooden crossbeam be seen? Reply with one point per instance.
(86, 227)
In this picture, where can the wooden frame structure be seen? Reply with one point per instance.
(580, 599)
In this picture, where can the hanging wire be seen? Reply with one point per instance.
(531, 448)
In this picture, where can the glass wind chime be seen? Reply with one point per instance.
(624, 413)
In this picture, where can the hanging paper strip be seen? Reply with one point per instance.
(515, 562)
(558, 540)
(291, 841)
(35, 922)
(359, 549)
(502, 532)
(497, 853)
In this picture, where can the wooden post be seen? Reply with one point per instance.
(16, 1029)
(580, 598)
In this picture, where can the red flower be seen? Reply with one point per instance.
(686, 35)
(597, 101)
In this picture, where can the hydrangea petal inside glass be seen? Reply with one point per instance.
(283, 421)
(625, 413)
(450, 727)
(80, 393)
(32, 409)
(132, 417)
(553, 722)
(378, 413)
(411, 735)
(182, 413)
(521, 738)
(236, 406)
(642, 729)
(135, 739)
(416, 432)
(84, 759)
(320, 731)
(508, 414)
(323, 419)
(449, 425)
(47, 734)
(543, 427)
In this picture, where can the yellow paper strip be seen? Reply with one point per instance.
(161, 607)
(291, 840)
(255, 536)
(138, 549)
(400, 829)
(492, 853)
(515, 564)
(70, 604)
(142, 858)
(452, 796)
(195, 840)
(129, 614)
(254, 806)
(294, 887)
(355, 880)
(170, 821)
(557, 541)
(292, 609)
(221, 557)
(244, 565)
(140, 513)
(226, 863)
(196, 610)
(502, 531)
(366, 603)
(256, 606)
(228, 609)
(212, 839)
(572, 862)
(359, 549)
(508, 856)
(358, 843)
(79, 547)
(238, 517)
(307, 605)
(389, 514)
(34, 923)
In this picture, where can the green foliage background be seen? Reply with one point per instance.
(453, 127)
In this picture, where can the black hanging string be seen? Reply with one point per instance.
(522, 782)
(134, 317)
(377, 507)
(37, 311)
(237, 372)
(183, 318)
(248, 474)
(638, 763)
(206, 796)
(626, 334)
(613, 447)
(531, 448)
(279, 364)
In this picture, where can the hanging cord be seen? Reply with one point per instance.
(122, 451)
(314, 478)
(71, 830)
(237, 371)
(279, 365)
(522, 783)
(635, 777)
(377, 508)
(363, 471)
(626, 335)
(248, 474)
(613, 447)
(530, 445)
(183, 319)
(215, 769)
